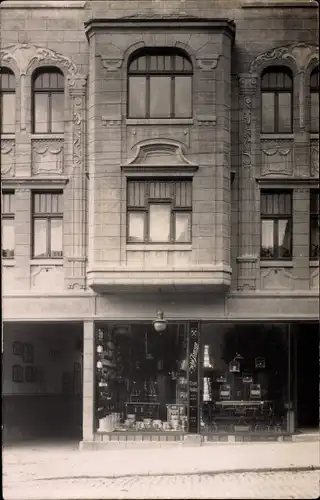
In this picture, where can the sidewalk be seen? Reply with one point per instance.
(23, 464)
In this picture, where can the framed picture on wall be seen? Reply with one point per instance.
(17, 373)
(17, 348)
(31, 373)
(28, 354)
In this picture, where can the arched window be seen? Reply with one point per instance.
(160, 85)
(48, 101)
(314, 101)
(276, 101)
(7, 101)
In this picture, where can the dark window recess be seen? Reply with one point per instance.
(159, 211)
(276, 225)
(47, 225)
(7, 101)
(314, 224)
(314, 101)
(276, 101)
(7, 225)
(48, 101)
(160, 85)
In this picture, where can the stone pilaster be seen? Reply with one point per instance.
(76, 198)
(89, 370)
(247, 256)
(23, 238)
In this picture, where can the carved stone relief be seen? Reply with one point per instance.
(8, 157)
(277, 278)
(314, 156)
(207, 122)
(46, 278)
(141, 133)
(300, 54)
(160, 153)
(207, 59)
(276, 157)
(111, 60)
(22, 55)
(47, 156)
(110, 121)
(314, 278)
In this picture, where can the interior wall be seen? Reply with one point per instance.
(56, 347)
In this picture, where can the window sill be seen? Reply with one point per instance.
(159, 121)
(7, 262)
(47, 136)
(276, 136)
(158, 247)
(47, 262)
(8, 136)
(276, 263)
(314, 135)
(314, 263)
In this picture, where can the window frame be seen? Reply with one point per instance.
(8, 216)
(276, 218)
(314, 216)
(314, 89)
(45, 91)
(148, 200)
(276, 90)
(48, 217)
(6, 91)
(148, 72)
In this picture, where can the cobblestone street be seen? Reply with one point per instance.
(217, 471)
(243, 485)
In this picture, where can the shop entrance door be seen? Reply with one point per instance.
(307, 355)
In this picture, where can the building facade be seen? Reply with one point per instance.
(159, 156)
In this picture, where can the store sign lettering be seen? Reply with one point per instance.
(193, 360)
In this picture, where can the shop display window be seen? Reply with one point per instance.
(245, 378)
(141, 378)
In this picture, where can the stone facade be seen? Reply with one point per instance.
(220, 148)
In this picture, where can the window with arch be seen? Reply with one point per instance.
(48, 101)
(7, 101)
(314, 101)
(276, 101)
(160, 85)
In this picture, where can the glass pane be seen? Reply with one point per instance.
(142, 63)
(40, 238)
(267, 110)
(57, 113)
(314, 112)
(136, 226)
(7, 244)
(160, 95)
(8, 109)
(315, 238)
(267, 239)
(183, 96)
(315, 202)
(284, 238)
(41, 113)
(137, 96)
(182, 227)
(7, 200)
(56, 238)
(245, 378)
(159, 222)
(284, 103)
(142, 379)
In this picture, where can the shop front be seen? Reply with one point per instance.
(201, 378)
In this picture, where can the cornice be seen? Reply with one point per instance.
(43, 4)
(226, 26)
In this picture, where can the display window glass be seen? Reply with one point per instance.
(141, 378)
(245, 378)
